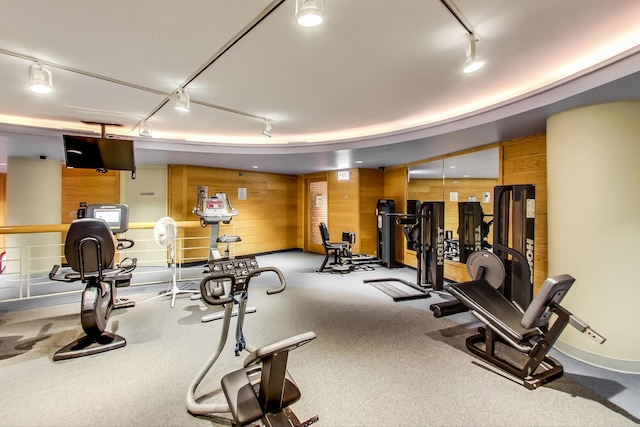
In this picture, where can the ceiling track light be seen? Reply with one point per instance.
(145, 129)
(309, 13)
(267, 128)
(182, 101)
(473, 63)
(40, 80)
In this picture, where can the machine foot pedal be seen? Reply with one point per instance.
(309, 421)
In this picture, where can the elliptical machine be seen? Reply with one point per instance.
(263, 388)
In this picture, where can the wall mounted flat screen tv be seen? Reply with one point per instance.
(102, 154)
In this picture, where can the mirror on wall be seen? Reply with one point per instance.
(425, 181)
(463, 182)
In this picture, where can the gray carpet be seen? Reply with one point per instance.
(374, 363)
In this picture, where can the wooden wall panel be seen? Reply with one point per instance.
(344, 206)
(426, 190)
(301, 209)
(395, 188)
(524, 162)
(267, 219)
(371, 183)
(87, 185)
(351, 207)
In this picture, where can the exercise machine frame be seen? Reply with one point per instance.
(262, 388)
(425, 230)
(527, 333)
(89, 250)
(513, 243)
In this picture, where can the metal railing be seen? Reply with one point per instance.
(24, 277)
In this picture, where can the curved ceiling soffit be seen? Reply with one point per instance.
(616, 68)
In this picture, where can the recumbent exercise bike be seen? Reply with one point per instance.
(89, 249)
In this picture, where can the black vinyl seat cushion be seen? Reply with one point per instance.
(493, 306)
(243, 398)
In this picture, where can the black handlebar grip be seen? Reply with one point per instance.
(217, 277)
(283, 283)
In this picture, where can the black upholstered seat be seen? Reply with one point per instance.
(263, 387)
(335, 249)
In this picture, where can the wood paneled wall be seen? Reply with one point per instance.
(524, 161)
(395, 188)
(267, 219)
(87, 185)
(272, 218)
(371, 183)
(352, 206)
(344, 206)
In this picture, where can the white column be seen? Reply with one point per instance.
(34, 192)
(593, 166)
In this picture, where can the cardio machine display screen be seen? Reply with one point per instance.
(215, 204)
(112, 217)
(116, 216)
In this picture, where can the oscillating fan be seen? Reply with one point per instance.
(164, 233)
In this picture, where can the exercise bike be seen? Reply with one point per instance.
(262, 390)
(89, 250)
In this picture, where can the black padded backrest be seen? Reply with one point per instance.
(552, 292)
(324, 232)
(86, 239)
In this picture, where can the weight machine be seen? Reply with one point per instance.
(386, 232)
(513, 243)
(424, 231)
(516, 341)
(514, 209)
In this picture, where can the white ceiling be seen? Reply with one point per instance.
(378, 81)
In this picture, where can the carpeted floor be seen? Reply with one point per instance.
(374, 362)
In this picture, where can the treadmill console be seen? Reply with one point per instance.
(214, 209)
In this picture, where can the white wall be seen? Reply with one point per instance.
(593, 164)
(146, 197)
(34, 193)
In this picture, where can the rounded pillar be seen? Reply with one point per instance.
(593, 174)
